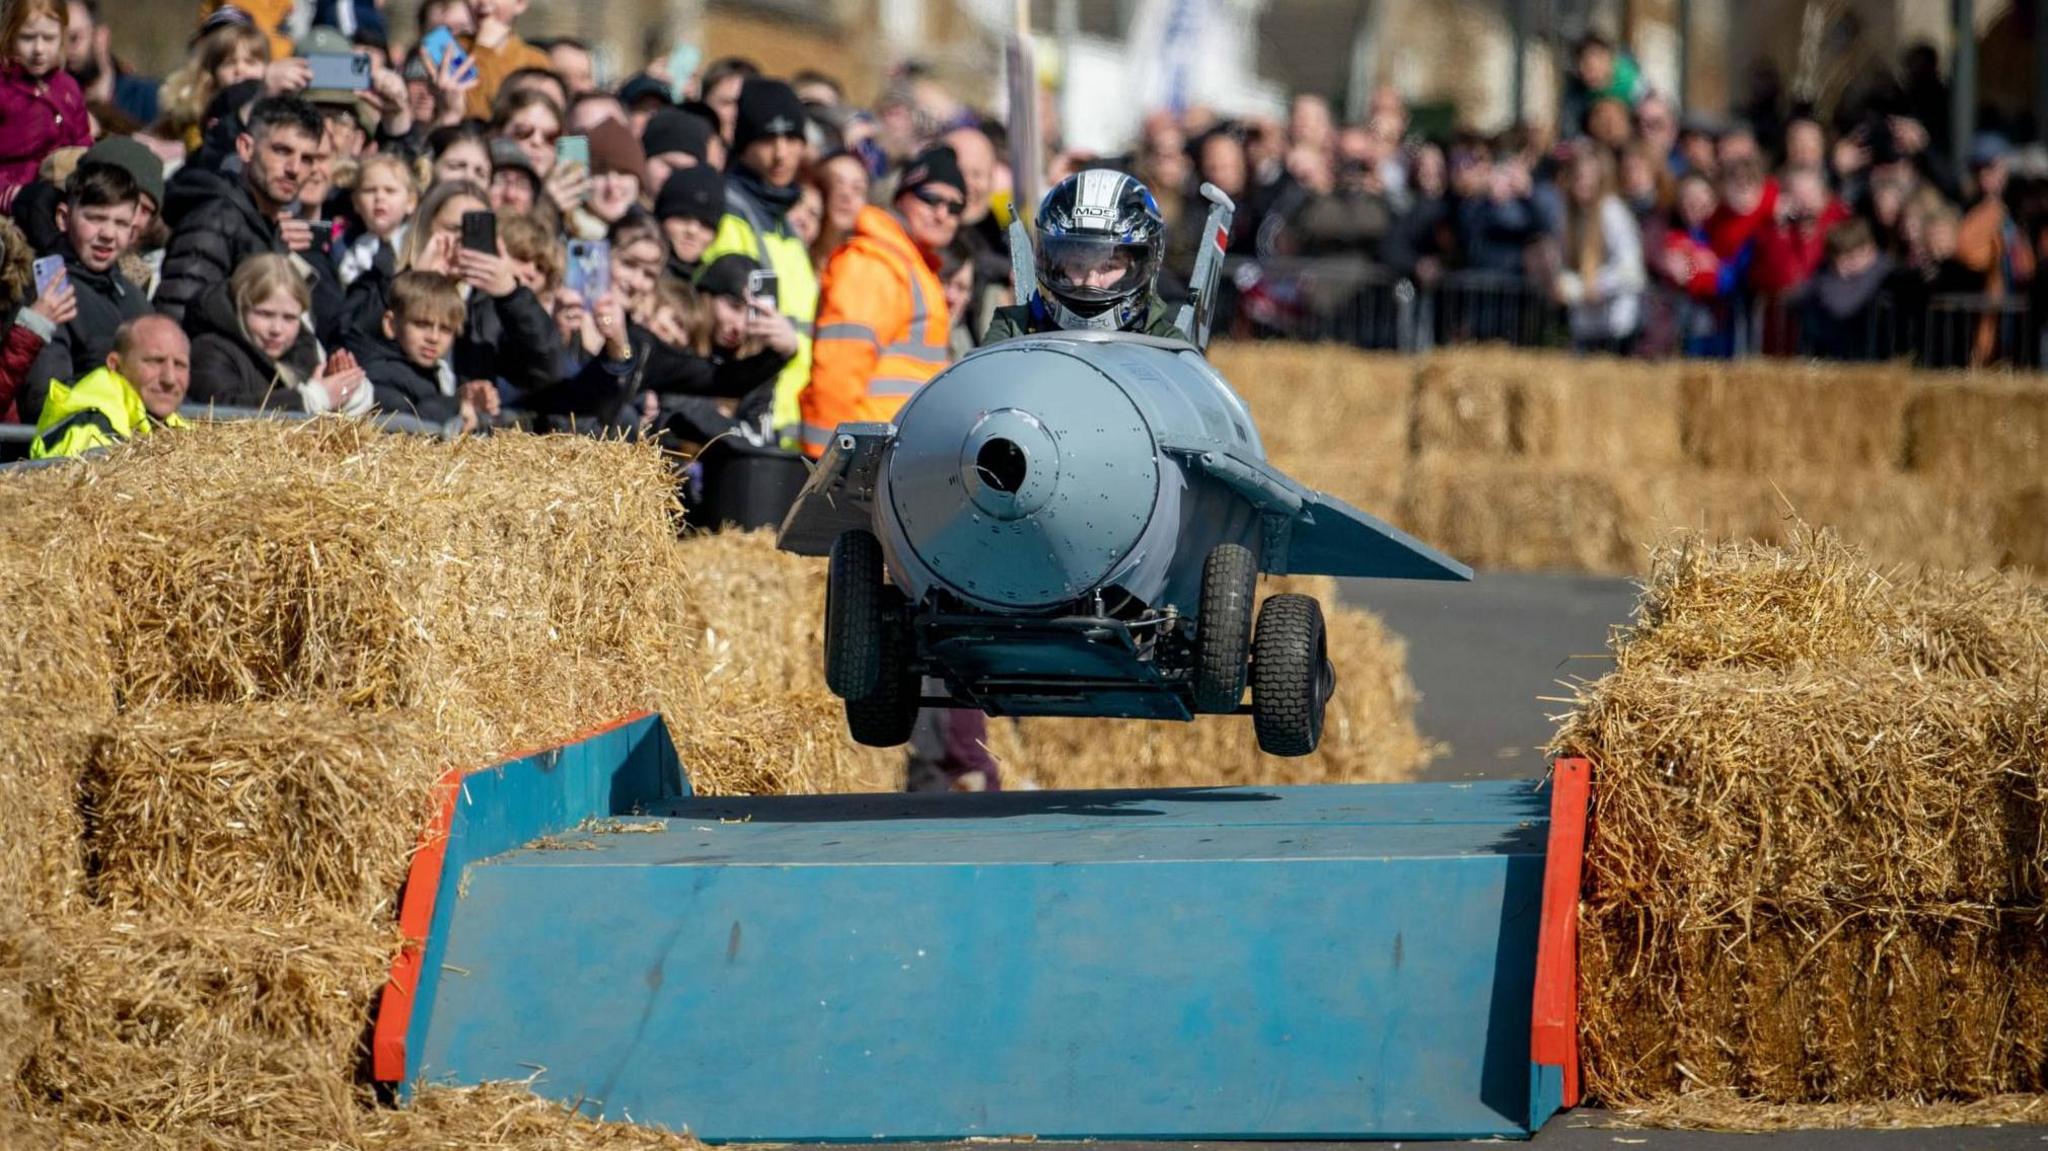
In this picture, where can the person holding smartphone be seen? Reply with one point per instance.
(95, 218)
(760, 189)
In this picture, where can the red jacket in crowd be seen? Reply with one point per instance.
(37, 117)
(1728, 232)
(17, 353)
(1789, 254)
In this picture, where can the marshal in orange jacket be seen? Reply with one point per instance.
(882, 328)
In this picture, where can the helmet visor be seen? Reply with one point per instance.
(1093, 268)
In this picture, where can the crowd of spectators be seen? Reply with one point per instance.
(469, 231)
(1866, 234)
(466, 231)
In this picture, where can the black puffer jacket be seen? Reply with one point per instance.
(105, 300)
(513, 340)
(399, 385)
(215, 225)
(230, 370)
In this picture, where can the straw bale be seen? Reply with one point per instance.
(1818, 790)
(276, 575)
(26, 953)
(54, 650)
(759, 719)
(1369, 734)
(1819, 603)
(42, 828)
(1515, 515)
(1333, 418)
(261, 809)
(1595, 413)
(1724, 1110)
(1771, 417)
(1463, 405)
(253, 1029)
(1990, 430)
(1818, 870)
(2022, 529)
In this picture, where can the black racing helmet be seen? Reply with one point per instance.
(1100, 243)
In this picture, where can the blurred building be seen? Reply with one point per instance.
(1480, 64)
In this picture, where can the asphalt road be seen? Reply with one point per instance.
(1485, 653)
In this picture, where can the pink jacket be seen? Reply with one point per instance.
(37, 117)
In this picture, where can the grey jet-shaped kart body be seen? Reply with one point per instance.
(1074, 524)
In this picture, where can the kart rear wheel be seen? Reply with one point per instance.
(853, 615)
(1223, 632)
(1291, 675)
(885, 716)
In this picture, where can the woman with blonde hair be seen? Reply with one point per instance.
(253, 346)
(1600, 280)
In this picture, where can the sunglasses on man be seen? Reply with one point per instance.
(947, 205)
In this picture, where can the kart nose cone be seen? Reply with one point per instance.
(1022, 478)
(1010, 464)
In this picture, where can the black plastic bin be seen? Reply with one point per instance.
(747, 486)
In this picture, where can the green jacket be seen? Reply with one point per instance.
(1023, 320)
(99, 410)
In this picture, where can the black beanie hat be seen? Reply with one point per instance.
(674, 130)
(692, 194)
(935, 165)
(767, 108)
(727, 276)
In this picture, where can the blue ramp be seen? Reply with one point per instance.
(1314, 962)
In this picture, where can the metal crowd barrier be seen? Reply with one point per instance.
(1351, 301)
(15, 439)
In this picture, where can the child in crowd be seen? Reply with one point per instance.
(253, 346)
(42, 108)
(410, 366)
(231, 54)
(386, 195)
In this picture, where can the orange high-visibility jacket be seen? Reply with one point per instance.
(881, 334)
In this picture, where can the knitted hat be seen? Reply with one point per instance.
(692, 194)
(768, 108)
(134, 156)
(674, 130)
(508, 154)
(613, 149)
(935, 165)
(640, 87)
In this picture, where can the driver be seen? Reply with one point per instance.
(1100, 241)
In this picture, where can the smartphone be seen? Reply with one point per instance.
(573, 150)
(339, 73)
(48, 271)
(589, 274)
(761, 286)
(480, 232)
(438, 42)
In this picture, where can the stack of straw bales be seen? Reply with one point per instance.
(1538, 460)
(235, 661)
(1817, 872)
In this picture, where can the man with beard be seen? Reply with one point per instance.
(760, 189)
(89, 57)
(249, 207)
